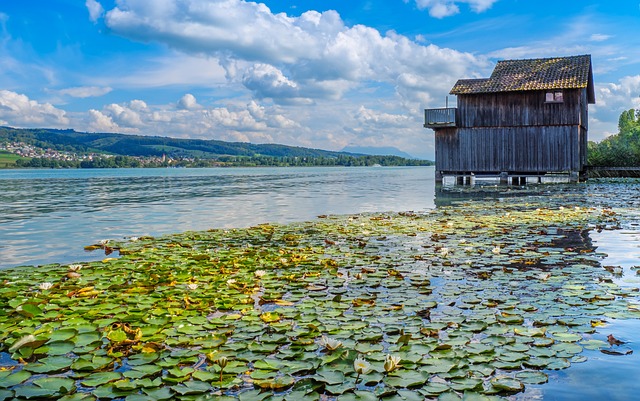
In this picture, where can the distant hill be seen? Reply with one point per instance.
(149, 146)
(378, 151)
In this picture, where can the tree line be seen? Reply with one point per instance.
(223, 161)
(621, 149)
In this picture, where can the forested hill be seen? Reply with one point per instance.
(150, 146)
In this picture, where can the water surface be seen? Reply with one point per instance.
(48, 216)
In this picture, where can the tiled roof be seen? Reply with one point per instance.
(534, 74)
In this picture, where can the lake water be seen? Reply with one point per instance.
(48, 216)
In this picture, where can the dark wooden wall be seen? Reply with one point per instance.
(516, 132)
(517, 109)
(510, 149)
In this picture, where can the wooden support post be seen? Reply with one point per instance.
(504, 178)
(574, 176)
(439, 177)
(467, 180)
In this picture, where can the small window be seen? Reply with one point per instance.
(553, 97)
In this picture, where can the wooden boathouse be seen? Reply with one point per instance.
(528, 119)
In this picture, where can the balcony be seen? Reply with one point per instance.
(440, 118)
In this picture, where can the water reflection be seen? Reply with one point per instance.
(49, 215)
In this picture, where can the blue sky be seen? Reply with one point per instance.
(323, 74)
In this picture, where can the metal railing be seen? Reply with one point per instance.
(443, 117)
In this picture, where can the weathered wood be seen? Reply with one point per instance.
(510, 149)
(519, 109)
(528, 119)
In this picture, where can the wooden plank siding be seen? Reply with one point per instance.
(519, 109)
(534, 149)
(515, 132)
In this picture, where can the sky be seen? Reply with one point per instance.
(322, 74)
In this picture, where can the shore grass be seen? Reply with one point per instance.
(8, 160)
(476, 299)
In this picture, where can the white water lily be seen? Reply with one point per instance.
(391, 363)
(103, 242)
(444, 252)
(133, 239)
(544, 276)
(330, 344)
(45, 286)
(496, 250)
(192, 286)
(231, 281)
(222, 361)
(361, 366)
(75, 268)
(468, 249)
(259, 273)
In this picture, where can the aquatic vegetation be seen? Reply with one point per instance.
(468, 299)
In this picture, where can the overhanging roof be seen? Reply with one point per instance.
(574, 72)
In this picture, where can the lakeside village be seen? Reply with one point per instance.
(71, 159)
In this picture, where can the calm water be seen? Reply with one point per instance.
(48, 216)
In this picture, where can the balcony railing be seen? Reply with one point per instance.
(440, 118)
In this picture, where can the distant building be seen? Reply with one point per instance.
(528, 119)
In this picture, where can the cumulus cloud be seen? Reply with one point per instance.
(611, 100)
(187, 102)
(85, 91)
(289, 59)
(100, 122)
(446, 8)
(20, 111)
(95, 10)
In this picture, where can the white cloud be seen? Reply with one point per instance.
(95, 10)
(291, 60)
(599, 37)
(447, 8)
(611, 100)
(85, 91)
(20, 111)
(187, 102)
(99, 122)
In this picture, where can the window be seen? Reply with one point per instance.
(553, 97)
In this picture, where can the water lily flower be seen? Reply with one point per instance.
(259, 273)
(544, 276)
(450, 224)
(222, 362)
(192, 286)
(231, 281)
(444, 252)
(468, 249)
(391, 363)
(133, 239)
(496, 250)
(75, 268)
(103, 242)
(361, 367)
(45, 286)
(330, 344)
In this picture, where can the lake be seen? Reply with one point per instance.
(48, 216)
